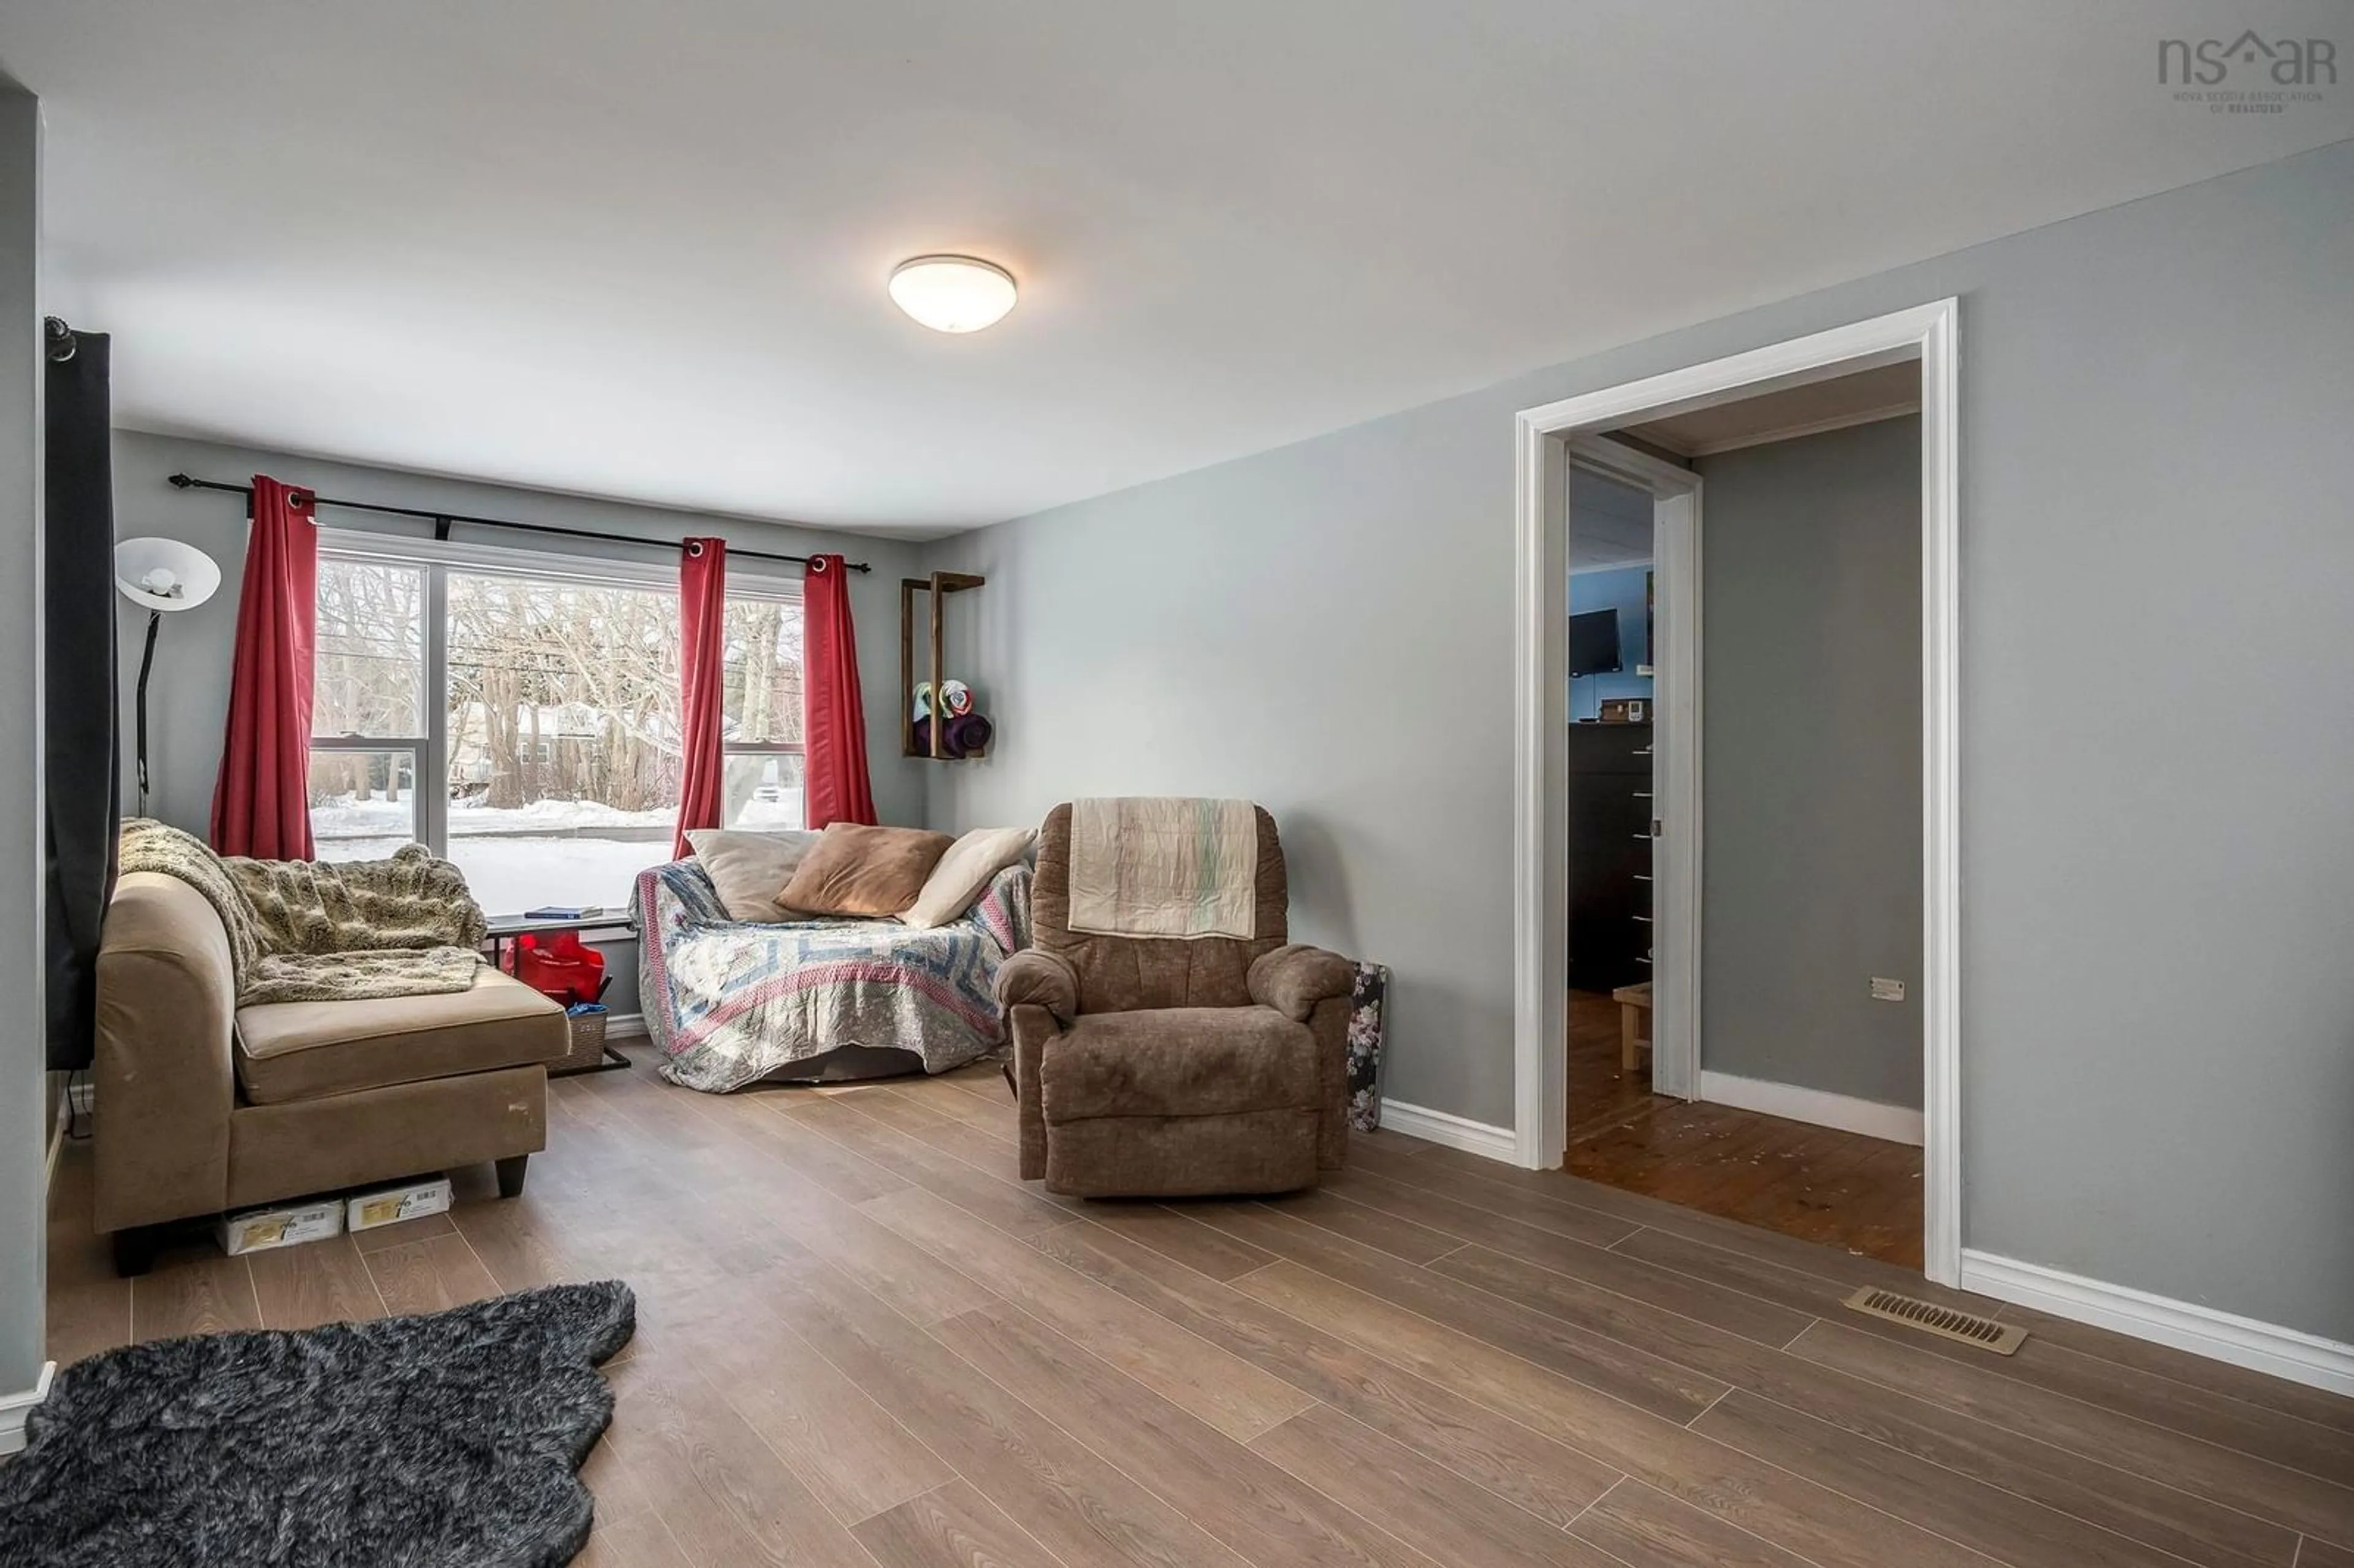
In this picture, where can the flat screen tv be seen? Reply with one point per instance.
(1594, 644)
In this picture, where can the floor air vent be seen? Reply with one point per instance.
(2002, 1339)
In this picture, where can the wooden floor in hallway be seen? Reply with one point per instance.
(863, 1344)
(1817, 1184)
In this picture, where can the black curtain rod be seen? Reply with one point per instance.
(443, 520)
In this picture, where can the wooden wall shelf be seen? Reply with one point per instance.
(938, 587)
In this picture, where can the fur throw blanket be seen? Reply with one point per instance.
(311, 931)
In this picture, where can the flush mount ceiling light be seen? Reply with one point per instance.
(952, 294)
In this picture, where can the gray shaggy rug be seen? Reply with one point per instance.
(449, 1441)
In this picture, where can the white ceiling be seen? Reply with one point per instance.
(638, 250)
(1809, 409)
(1609, 522)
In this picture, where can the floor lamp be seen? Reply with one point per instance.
(163, 576)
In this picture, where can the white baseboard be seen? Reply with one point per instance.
(14, 1407)
(625, 1026)
(1898, 1124)
(1445, 1127)
(2202, 1331)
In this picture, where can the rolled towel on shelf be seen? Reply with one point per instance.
(960, 738)
(967, 735)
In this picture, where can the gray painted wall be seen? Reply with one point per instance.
(23, 1144)
(188, 693)
(1811, 645)
(2157, 873)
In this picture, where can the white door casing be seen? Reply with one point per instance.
(1543, 439)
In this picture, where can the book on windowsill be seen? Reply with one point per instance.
(566, 912)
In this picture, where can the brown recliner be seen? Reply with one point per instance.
(1162, 1068)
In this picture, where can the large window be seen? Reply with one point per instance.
(552, 723)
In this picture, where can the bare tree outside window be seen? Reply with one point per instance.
(367, 683)
(760, 784)
(556, 735)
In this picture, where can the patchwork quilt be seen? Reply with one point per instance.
(730, 1003)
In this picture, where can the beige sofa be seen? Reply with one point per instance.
(204, 1106)
(1161, 1068)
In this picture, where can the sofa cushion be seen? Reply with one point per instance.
(864, 872)
(1178, 1061)
(964, 874)
(303, 1050)
(748, 870)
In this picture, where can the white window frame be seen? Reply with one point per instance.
(437, 558)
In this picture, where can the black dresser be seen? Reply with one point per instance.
(1610, 812)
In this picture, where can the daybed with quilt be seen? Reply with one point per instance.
(730, 1003)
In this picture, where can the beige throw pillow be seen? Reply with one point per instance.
(751, 870)
(964, 873)
(865, 872)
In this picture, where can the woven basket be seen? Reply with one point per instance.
(587, 1048)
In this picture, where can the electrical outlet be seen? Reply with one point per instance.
(1886, 990)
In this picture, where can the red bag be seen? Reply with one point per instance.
(566, 969)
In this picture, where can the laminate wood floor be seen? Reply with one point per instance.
(1816, 1184)
(863, 1344)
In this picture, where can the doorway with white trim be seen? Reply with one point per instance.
(1758, 1019)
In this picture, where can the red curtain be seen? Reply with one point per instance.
(834, 724)
(703, 645)
(260, 801)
